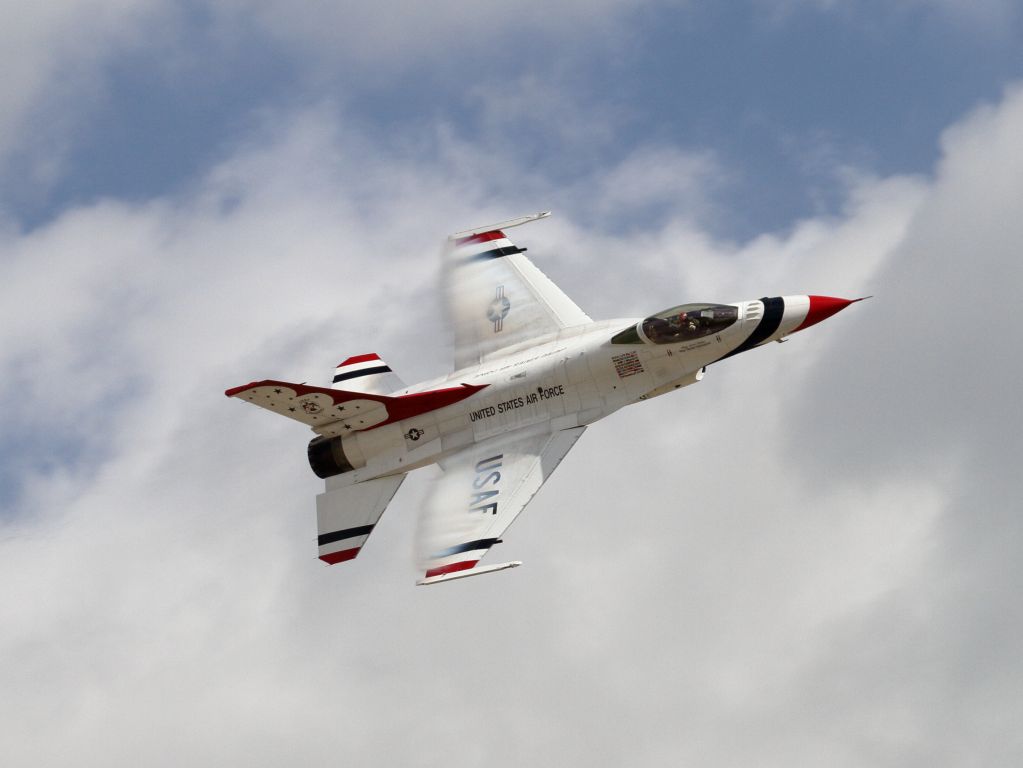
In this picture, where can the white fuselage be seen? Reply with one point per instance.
(564, 380)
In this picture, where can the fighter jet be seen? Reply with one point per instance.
(532, 371)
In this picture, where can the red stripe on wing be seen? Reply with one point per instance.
(452, 568)
(482, 237)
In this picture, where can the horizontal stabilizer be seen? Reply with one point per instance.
(333, 412)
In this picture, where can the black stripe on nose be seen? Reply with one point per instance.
(774, 308)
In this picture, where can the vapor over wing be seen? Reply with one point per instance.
(347, 514)
(496, 297)
(482, 491)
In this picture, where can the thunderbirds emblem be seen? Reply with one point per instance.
(498, 309)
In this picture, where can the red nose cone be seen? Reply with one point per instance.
(823, 307)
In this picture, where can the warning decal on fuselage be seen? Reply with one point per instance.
(627, 364)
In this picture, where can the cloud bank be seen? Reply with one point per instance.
(811, 557)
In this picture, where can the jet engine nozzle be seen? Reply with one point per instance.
(327, 457)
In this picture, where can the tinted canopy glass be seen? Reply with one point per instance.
(689, 321)
(683, 323)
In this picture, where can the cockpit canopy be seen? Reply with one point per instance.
(679, 324)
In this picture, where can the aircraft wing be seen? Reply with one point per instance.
(482, 491)
(496, 297)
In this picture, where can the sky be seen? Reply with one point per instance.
(813, 557)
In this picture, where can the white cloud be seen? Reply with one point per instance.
(50, 55)
(389, 34)
(54, 55)
(810, 557)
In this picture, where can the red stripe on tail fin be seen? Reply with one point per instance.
(359, 359)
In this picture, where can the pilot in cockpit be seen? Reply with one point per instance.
(687, 322)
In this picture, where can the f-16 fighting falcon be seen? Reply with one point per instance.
(532, 370)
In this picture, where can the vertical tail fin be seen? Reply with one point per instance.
(366, 373)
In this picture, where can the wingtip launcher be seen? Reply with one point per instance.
(501, 225)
